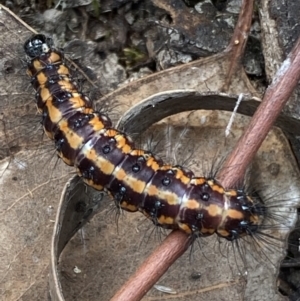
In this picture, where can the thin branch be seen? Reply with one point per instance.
(238, 41)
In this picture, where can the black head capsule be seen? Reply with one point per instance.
(38, 45)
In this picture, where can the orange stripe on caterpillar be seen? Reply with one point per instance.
(172, 197)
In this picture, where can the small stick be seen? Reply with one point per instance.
(238, 41)
(238, 102)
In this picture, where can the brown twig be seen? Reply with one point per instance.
(175, 244)
(238, 41)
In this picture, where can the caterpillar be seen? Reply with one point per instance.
(88, 105)
(32, 223)
(172, 197)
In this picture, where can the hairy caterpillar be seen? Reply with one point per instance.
(38, 202)
(64, 88)
(172, 197)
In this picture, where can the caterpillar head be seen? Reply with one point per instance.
(38, 45)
